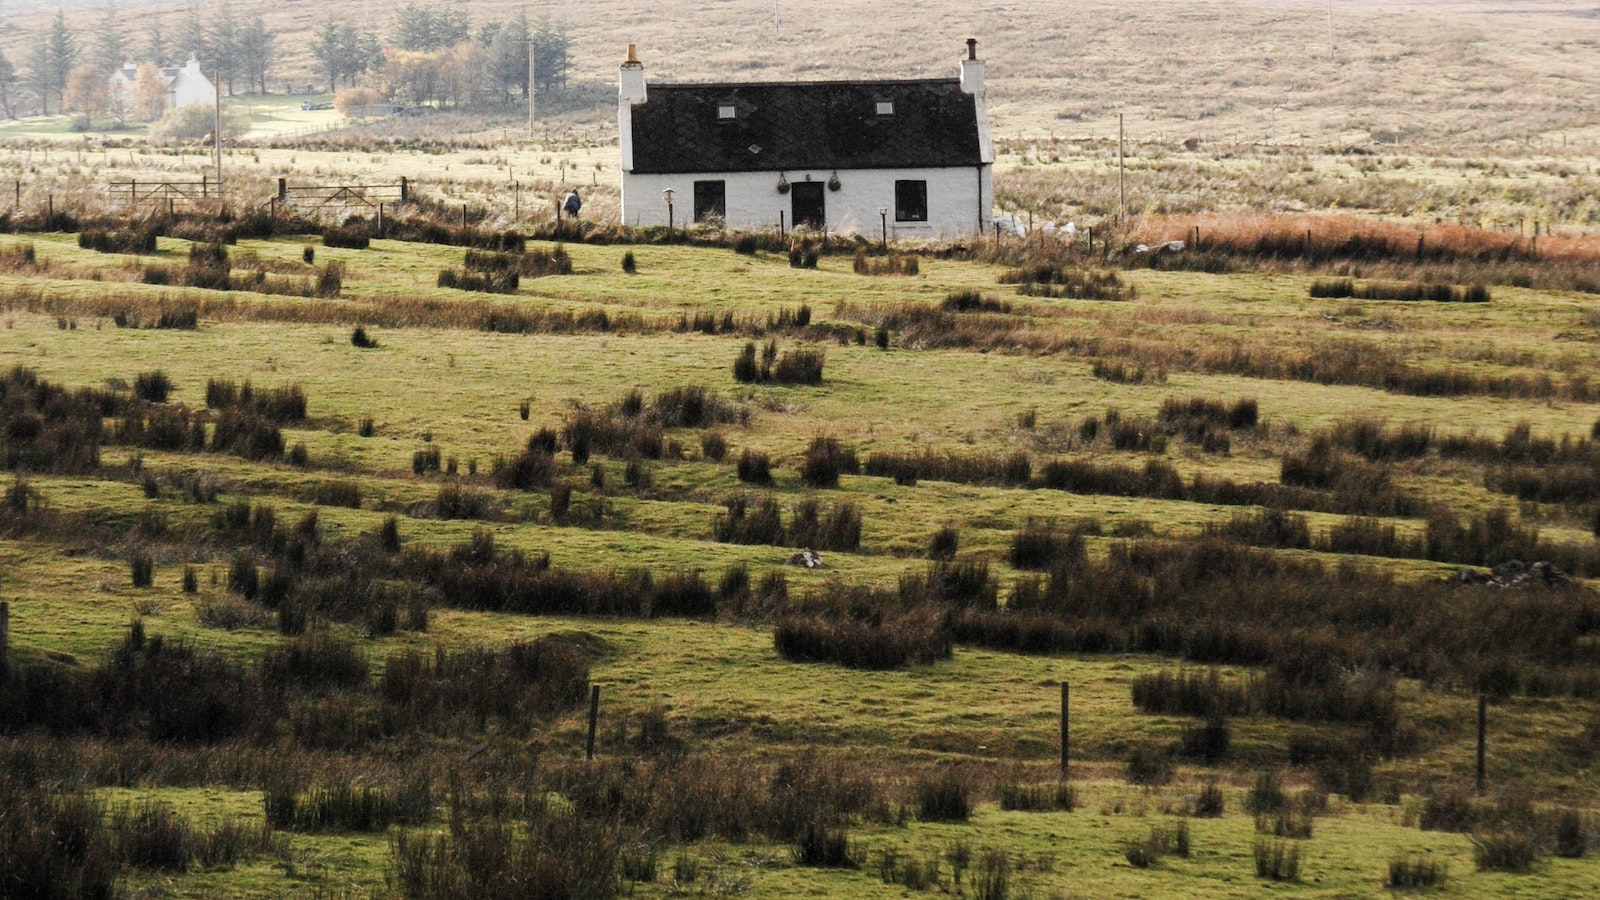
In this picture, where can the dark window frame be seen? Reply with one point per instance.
(911, 200)
(703, 205)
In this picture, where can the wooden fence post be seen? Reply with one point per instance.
(463, 217)
(594, 718)
(1483, 728)
(405, 189)
(1066, 732)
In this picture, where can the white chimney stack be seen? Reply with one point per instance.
(630, 84)
(972, 70)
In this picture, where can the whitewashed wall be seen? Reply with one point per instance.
(957, 197)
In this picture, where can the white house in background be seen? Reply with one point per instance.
(185, 86)
(910, 157)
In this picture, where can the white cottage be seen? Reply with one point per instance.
(912, 158)
(186, 85)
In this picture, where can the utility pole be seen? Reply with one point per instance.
(216, 130)
(533, 87)
(1330, 30)
(1122, 191)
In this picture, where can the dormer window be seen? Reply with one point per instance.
(727, 111)
(885, 107)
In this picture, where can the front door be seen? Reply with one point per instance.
(809, 209)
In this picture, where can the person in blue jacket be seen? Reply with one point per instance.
(572, 204)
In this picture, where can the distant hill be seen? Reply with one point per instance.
(1461, 70)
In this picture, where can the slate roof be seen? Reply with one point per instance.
(805, 125)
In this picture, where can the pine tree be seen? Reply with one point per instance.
(223, 42)
(155, 45)
(110, 43)
(255, 53)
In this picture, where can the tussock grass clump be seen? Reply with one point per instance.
(529, 264)
(944, 543)
(1039, 797)
(1163, 840)
(1277, 859)
(573, 856)
(131, 241)
(1041, 545)
(1014, 468)
(280, 404)
(1506, 849)
(1148, 764)
(355, 237)
(1056, 279)
(755, 467)
(863, 631)
(792, 367)
(1409, 291)
(973, 301)
(152, 387)
(1416, 871)
(1210, 803)
(826, 459)
(747, 523)
(487, 283)
(944, 796)
(48, 429)
(890, 264)
(474, 576)
(820, 846)
(346, 807)
(359, 338)
(17, 257)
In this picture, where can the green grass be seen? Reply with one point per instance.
(720, 685)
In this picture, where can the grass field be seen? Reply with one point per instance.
(713, 689)
(311, 563)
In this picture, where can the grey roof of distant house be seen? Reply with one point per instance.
(806, 125)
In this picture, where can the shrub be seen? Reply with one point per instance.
(826, 459)
(152, 387)
(1148, 765)
(629, 264)
(131, 241)
(356, 237)
(1208, 741)
(1505, 849)
(1038, 797)
(1277, 859)
(1266, 794)
(489, 283)
(1572, 834)
(1211, 802)
(821, 846)
(360, 338)
(944, 543)
(1039, 545)
(314, 660)
(713, 446)
(755, 468)
(1416, 870)
(944, 796)
(143, 569)
(799, 367)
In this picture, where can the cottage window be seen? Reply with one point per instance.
(710, 200)
(727, 111)
(910, 201)
(885, 107)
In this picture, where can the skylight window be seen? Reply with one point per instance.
(727, 111)
(885, 107)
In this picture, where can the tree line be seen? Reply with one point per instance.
(428, 56)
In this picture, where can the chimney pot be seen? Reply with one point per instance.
(972, 48)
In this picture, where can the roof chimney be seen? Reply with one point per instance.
(972, 69)
(630, 83)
